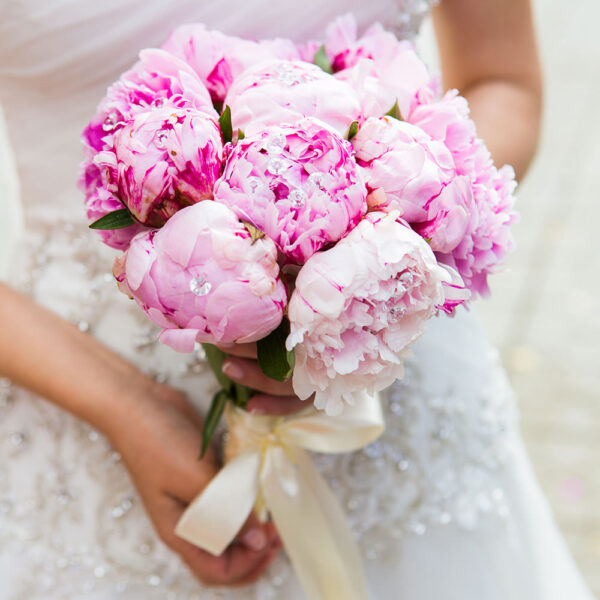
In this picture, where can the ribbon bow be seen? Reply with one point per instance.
(268, 468)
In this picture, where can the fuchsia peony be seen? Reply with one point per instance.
(218, 59)
(298, 184)
(202, 279)
(158, 78)
(280, 91)
(163, 159)
(99, 204)
(357, 307)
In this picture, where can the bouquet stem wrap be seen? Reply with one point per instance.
(268, 468)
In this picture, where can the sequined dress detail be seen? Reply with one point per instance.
(446, 490)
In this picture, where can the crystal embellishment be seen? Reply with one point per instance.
(110, 122)
(276, 143)
(317, 180)
(277, 166)
(395, 313)
(18, 438)
(200, 286)
(287, 75)
(254, 183)
(154, 580)
(160, 140)
(297, 198)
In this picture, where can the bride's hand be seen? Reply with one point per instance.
(277, 397)
(160, 445)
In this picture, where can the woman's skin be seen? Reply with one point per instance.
(489, 53)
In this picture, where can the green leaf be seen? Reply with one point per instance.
(353, 130)
(241, 135)
(273, 358)
(117, 219)
(322, 60)
(225, 123)
(394, 112)
(241, 394)
(238, 393)
(215, 358)
(291, 358)
(212, 419)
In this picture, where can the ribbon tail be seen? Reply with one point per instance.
(216, 515)
(313, 527)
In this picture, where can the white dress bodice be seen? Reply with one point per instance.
(57, 58)
(444, 505)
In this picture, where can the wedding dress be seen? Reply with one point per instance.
(444, 506)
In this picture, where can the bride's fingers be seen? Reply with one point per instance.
(248, 372)
(276, 405)
(241, 350)
(237, 564)
(253, 576)
(256, 535)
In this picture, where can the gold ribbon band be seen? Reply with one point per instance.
(268, 468)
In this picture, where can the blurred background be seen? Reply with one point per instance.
(543, 314)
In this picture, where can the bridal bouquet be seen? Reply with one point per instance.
(323, 200)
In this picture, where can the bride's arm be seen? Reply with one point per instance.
(153, 426)
(488, 51)
(52, 358)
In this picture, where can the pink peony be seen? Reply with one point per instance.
(416, 176)
(357, 307)
(447, 120)
(158, 78)
(218, 59)
(488, 238)
(382, 69)
(279, 92)
(202, 279)
(163, 159)
(344, 48)
(380, 87)
(298, 184)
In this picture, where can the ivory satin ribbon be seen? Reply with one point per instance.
(268, 468)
